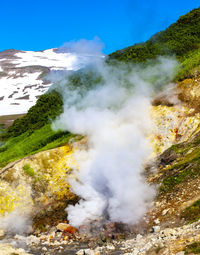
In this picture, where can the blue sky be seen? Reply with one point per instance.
(43, 24)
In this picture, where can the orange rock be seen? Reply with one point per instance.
(70, 230)
(50, 238)
(66, 228)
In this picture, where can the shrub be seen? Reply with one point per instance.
(28, 170)
(179, 39)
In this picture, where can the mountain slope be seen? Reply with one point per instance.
(184, 35)
(176, 139)
(22, 76)
(179, 40)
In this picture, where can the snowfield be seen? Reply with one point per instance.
(21, 73)
(48, 58)
(19, 93)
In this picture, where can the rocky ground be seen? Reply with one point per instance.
(37, 185)
(174, 241)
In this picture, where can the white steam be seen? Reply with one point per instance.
(16, 223)
(114, 115)
(90, 47)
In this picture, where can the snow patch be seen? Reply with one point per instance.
(47, 58)
(13, 90)
(20, 88)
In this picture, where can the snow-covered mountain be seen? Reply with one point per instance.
(22, 76)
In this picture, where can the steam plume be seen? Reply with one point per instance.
(90, 47)
(113, 113)
(16, 223)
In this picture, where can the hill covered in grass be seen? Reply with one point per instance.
(181, 39)
(33, 132)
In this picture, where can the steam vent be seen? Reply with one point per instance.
(100, 154)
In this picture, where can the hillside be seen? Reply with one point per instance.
(181, 39)
(22, 76)
(37, 163)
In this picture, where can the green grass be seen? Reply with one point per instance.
(169, 183)
(190, 64)
(193, 248)
(192, 213)
(186, 165)
(26, 144)
(180, 40)
(178, 173)
(32, 132)
(29, 170)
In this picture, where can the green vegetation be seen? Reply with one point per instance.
(33, 133)
(29, 170)
(185, 164)
(26, 144)
(193, 248)
(47, 108)
(84, 79)
(181, 174)
(190, 65)
(180, 40)
(39, 183)
(170, 182)
(192, 213)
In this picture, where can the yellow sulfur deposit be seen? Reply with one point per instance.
(42, 179)
(38, 179)
(57, 177)
(172, 125)
(14, 198)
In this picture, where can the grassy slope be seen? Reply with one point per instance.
(179, 163)
(190, 65)
(181, 39)
(26, 144)
(33, 133)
